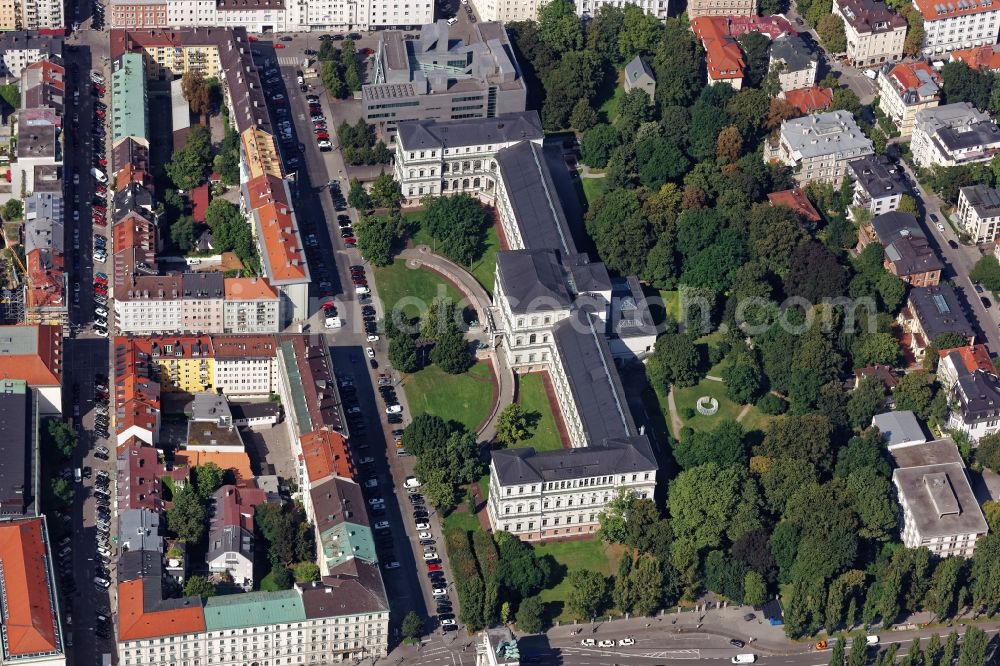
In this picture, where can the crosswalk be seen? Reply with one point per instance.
(288, 61)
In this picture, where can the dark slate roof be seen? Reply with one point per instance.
(632, 316)
(533, 280)
(890, 226)
(879, 176)
(534, 197)
(249, 410)
(939, 311)
(336, 501)
(971, 136)
(794, 51)
(637, 67)
(15, 463)
(520, 126)
(133, 197)
(588, 276)
(148, 566)
(912, 255)
(229, 539)
(204, 285)
(593, 379)
(979, 396)
(624, 455)
(354, 587)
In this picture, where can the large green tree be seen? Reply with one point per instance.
(188, 166)
(458, 226)
(187, 516)
(675, 360)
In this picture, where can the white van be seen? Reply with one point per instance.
(452, 21)
(871, 640)
(77, 475)
(361, 290)
(744, 659)
(98, 174)
(333, 322)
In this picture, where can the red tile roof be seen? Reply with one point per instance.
(769, 26)
(981, 57)
(249, 289)
(808, 100)
(33, 353)
(199, 202)
(30, 621)
(723, 55)
(136, 623)
(140, 485)
(326, 452)
(951, 8)
(907, 77)
(975, 357)
(797, 200)
(235, 506)
(237, 461)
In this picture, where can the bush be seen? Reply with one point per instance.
(468, 582)
(772, 405)
(687, 413)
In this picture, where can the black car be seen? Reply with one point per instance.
(737, 643)
(986, 301)
(373, 363)
(355, 36)
(419, 514)
(427, 542)
(395, 418)
(446, 616)
(449, 627)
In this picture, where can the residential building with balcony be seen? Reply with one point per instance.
(723, 56)
(940, 510)
(874, 33)
(952, 135)
(20, 48)
(961, 361)
(931, 312)
(40, 15)
(231, 533)
(46, 289)
(908, 255)
(905, 89)
(958, 24)
(798, 64)
(552, 494)
(251, 306)
(820, 147)
(978, 212)
(879, 184)
(701, 8)
(446, 73)
(658, 8)
(975, 401)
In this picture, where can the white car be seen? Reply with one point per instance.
(370, 352)
(440, 593)
(412, 482)
(102, 582)
(423, 525)
(372, 338)
(98, 174)
(100, 258)
(324, 143)
(606, 643)
(430, 555)
(376, 501)
(76, 178)
(100, 312)
(940, 226)
(382, 525)
(394, 409)
(425, 535)
(588, 642)
(626, 641)
(447, 622)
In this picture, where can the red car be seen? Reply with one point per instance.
(100, 280)
(252, 38)
(279, 46)
(350, 239)
(99, 113)
(322, 135)
(100, 221)
(434, 567)
(100, 189)
(102, 161)
(101, 289)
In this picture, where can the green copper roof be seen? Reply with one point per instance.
(128, 100)
(346, 540)
(253, 609)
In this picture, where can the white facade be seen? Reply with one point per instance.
(948, 26)
(658, 8)
(310, 641)
(251, 316)
(905, 90)
(246, 376)
(191, 13)
(149, 316)
(14, 60)
(508, 10)
(978, 212)
(41, 15)
(874, 34)
(819, 147)
(542, 510)
(202, 315)
(943, 136)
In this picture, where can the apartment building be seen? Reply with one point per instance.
(39, 15)
(32, 625)
(551, 494)
(958, 24)
(20, 48)
(19, 477)
(46, 289)
(931, 312)
(961, 361)
(658, 8)
(975, 409)
(985, 57)
(978, 212)
(798, 64)
(33, 354)
(940, 510)
(251, 306)
(446, 73)
(906, 89)
(723, 56)
(874, 33)
(952, 135)
(701, 8)
(137, 14)
(908, 255)
(879, 184)
(820, 147)
(342, 617)
(231, 533)
(129, 104)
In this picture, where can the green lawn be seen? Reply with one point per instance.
(465, 398)
(609, 109)
(461, 520)
(593, 188)
(482, 270)
(532, 398)
(573, 555)
(419, 286)
(687, 397)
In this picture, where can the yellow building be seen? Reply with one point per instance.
(186, 375)
(8, 15)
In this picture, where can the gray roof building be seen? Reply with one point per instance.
(431, 133)
(449, 72)
(533, 280)
(878, 176)
(205, 285)
(43, 224)
(978, 396)
(938, 311)
(899, 429)
(912, 255)
(890, 227)
(639, 75)
(353, 588)
(934, 452)
(939, 500)
(619, 455)
(834, 133)
(592, 377)
(17, 463)
(793, 51)
(211, 408)
(139, 529)
(984, 200)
